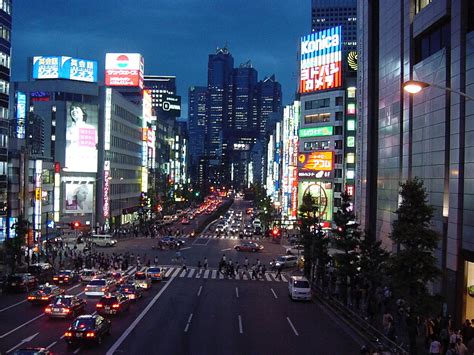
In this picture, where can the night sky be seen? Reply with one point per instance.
(174, 36)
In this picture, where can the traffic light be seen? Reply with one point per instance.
(75, 225)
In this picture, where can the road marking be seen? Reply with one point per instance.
(245, 277)
(21, 326)
(284, 278)
(168, 272)
(26, 340)
(226, 249)
(237, 292)
(176, 272)
(214, 274)
(189, 322)
(199, 292)
(268, 277)
(185, 248)
(13, 305)
(183, 273)
(73, 287)
(191, 273)
(292, 326)
(51, 345)
(237, 276)
(77, 350)
(221, 276)
(206, 274)
(274, 294)
(198, 274)
(132, 326)
(241, 329)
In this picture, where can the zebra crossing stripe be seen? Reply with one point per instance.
(268, 277)
(191, 272)
(284, 278)
(214, 273)
(206, 274)
(183, 273)
(237, 276)
(168, 272)
(176, 272)
(221, 276)
(245, 277)
(198, 274)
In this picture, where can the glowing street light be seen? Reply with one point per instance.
(415, 86)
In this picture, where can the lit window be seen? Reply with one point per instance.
(350, 158)
(350, 125)
(351, 92)
(350, 141)
(350, 174)
(351, 109)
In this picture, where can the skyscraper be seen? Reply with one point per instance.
(244, 91)
(268, 102)
(196, 129)
(427, 135)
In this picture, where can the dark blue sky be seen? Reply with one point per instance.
(174, 36)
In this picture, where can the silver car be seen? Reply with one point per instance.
(285, 261)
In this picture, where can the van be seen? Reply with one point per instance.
(299, 288)
(168, 219)
(102, 240)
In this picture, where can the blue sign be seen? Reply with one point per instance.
(50, 224)
(20, 114)
(61, 67)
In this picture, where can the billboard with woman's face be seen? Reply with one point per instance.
(78, 195)
(81, 137)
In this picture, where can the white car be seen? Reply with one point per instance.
(99, 287)
(285, 261)
(297, 249)
(88, 275)
(257, 223)
(142, 280)
(221, 228)
(299, 288)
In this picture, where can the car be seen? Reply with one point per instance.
(249, 210)
(299, 288)
(257, 223)
(42, 271)
(32, 351)
(142, 280)
(234, 228)
(99, 287)
(249, 246)
(257, 230)
(130, 290)
(118, 276)
(296, 249)
(285, 261)
(113, 304)
(44, 294)
(21, 282)
(90, 328)
(90, 274)
(155, 273)
(248, 232)
(294, 239)
(170, 242)
(65, 306)
(66, 277)
(221, 228)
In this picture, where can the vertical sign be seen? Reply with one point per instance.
(106, 191)
(37, 219)
(108, 118)
(20, 114)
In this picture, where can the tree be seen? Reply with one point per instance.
(13, 246)
(414, 265)
(347, 239)
(309, 218)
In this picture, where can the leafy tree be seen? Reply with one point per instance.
(347, 239)
(13, 246)
(414, 265)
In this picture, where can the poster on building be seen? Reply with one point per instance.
(321, 60)
(78, 195)
(323, 195)
(315, 165)
(81, 137)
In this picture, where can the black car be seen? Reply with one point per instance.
(66, 306)
(42, 271)
(170, 242)
(32, 351)
(64, 277)
(21, 282)
(131, 291)
(44, 294)
(113, 304)
(87, 329)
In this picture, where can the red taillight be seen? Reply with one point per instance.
(116, 305)
(47, 310)
(157, 275)
(31, 298)
(68, 334)
(55, 278)
(66, 278)
(103, 289)
(90, 334)
(66, 310)
(99, 305)
(44, 298)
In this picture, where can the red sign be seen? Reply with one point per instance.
(106, 191)
(326, 76)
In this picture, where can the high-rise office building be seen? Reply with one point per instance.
(426, 135)
(244, 91)
(5, 52)
(196, 130)
(269, 99)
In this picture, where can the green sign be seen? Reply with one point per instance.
(316, 132)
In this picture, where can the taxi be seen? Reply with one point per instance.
(142, 280)
(44, 294)
(65, 306)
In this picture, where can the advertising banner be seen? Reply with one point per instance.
(124, 69)
(316, 132)
(315, 165)
(170, 104)
(322, 194)
(106, 191)
(78, 195)
(62, 67)
(20, 114)
(321, 60)
(81, 137)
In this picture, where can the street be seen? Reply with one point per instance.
(194, 311)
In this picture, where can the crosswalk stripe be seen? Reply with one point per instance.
(198, 274)
(206, 274)
(268, 277)
(183, 273)
(221, 275)
(214, 273)
(237, 276)
(284, 278)
(168, 272)
(245, 277)
(191, 272)
(176, 272)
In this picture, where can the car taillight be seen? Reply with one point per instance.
(103, 289)
(116, 305)
(31, 298)
(55, 278)
(157, 275)
(47, 310)
(44, 298)
(66, 310)
(90, 334)
(68, 334)
(66, 278)
(99, 305)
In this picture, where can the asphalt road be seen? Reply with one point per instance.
(194, 312)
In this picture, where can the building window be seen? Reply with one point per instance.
(339, 116)
(351, 92)
(315, 104)
(337, 187)
(317, 118)
(351, 125)
(351, 109)
(338, 173)
(350, 158)
(350, 174)
(316, 145)
(337, 202)
(350, 141)
(421, 4)
(339, 101)
(432, 41)
(338, 144)
(338, 159)
(338, 130)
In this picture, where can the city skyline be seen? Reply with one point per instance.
(268, 36)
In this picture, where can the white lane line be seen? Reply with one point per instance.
(189, 322)
(77, 350)
(237, 292)
(73, 287)
(191, 273)
(241, 329)
(13, 305)
(206, 274)
(185, 248)
(226, 249)
(274, 294)
(24, 341)
(199, 292)
(292, 326)
(21, 326)
(132, 326)
(51, 345)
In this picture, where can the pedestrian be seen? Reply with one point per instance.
(205, 263)
(279, 269)
(254, 272)
(155, 261)
(199, 266)
(461, 348)
(246, 264)
(184, 267)
(435, 346)
(224, 258)
(264, 269)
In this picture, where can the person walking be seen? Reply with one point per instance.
(246, 264)
(279, 269)
(199, 267)
(155, 261)
(205, 263)
(184, 267)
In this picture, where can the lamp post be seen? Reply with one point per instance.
(415, 86)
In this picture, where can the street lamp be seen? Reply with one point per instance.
(415, 86)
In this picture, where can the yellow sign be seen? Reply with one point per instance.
(38, 194)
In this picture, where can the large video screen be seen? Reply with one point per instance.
(81, 137)
(78, 195)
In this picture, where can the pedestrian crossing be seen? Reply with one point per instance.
(219, 236)
(214, 274)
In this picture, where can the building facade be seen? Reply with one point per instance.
(424, 135)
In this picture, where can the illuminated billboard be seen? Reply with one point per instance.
(81, 137)
(61, 67)
(78, 195)
(20, 114)
(323, 196)
(169, 104)
(316, 132)
(321, 60)
(315, 165)
(124, 69)
(106, 190)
